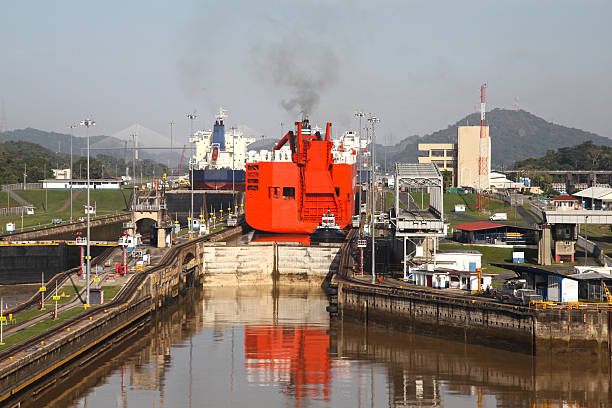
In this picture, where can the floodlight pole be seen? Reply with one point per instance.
(191, 117)
(373, 120)
(87, 123)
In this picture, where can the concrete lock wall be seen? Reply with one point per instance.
(504, 326)
(224, 265)
(307, 264)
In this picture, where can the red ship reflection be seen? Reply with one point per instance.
(297, 357)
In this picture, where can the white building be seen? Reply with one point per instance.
(61, 174)
(96, 184)
(453, 269)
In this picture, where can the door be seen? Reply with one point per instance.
(429, 281)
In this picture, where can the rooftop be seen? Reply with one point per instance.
(478, 226)
(564, 197)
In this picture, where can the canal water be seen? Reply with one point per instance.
(265, 347)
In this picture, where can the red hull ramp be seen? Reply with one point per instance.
(291, 196)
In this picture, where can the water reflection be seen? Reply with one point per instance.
(266, 347)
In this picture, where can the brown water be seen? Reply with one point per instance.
(256, 348)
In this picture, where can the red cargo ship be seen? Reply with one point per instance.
(292, 196)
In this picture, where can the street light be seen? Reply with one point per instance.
(87, 123)
(71, 126)
(373, 120)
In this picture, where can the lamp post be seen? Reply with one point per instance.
(71, 126)
(88, 123)
(191, 117)
(373, 120)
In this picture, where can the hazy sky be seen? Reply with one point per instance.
(417, 65)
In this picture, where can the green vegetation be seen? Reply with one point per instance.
(585, 156)
(110, 292)
(107, 202)
(40, 327)
(3, 200)
(69, 290)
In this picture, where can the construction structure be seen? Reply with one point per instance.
(416, 230)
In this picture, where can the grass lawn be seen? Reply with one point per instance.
(3, 200)
(69, 290)
(496, 255)
(107, 202)
(40, 327)
(470, 201)
(110, 292)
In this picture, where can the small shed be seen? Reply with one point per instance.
(566, 202)
(484, 232)
(459, 208)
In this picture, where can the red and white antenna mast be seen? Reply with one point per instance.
(483, 159)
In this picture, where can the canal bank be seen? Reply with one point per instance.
(533, 329)
(89, 332)
(235, 345)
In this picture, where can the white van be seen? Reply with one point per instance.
(498, 217)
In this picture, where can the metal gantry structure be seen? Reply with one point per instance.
(414, 224)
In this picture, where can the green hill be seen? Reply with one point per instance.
(17, 157)
(515, 134)
(585, 156)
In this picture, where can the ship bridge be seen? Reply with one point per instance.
(417, 228)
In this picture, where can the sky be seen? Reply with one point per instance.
(415, 65)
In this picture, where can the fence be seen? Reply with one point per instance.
(591, 247)
(19, 186)
(13, 210)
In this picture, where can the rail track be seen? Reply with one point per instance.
(122, 296)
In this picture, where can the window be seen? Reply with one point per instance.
(253, 167)
(337, 191)
(437, 153)
(273, 192)
(252, 188)
(252, 181)
(289, 193)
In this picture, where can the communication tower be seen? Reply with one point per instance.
(483, 157)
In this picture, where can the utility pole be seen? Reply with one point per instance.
(373, 120)
(191, 117)
(87, 123)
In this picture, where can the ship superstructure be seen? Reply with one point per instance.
(220, 156)
(290, 188)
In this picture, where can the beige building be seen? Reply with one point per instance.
(468, 154)
(443, 155)
(461, 159)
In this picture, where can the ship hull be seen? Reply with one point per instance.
(272, 201)
(219, 179)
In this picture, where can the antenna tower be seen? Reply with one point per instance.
(483, 158)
